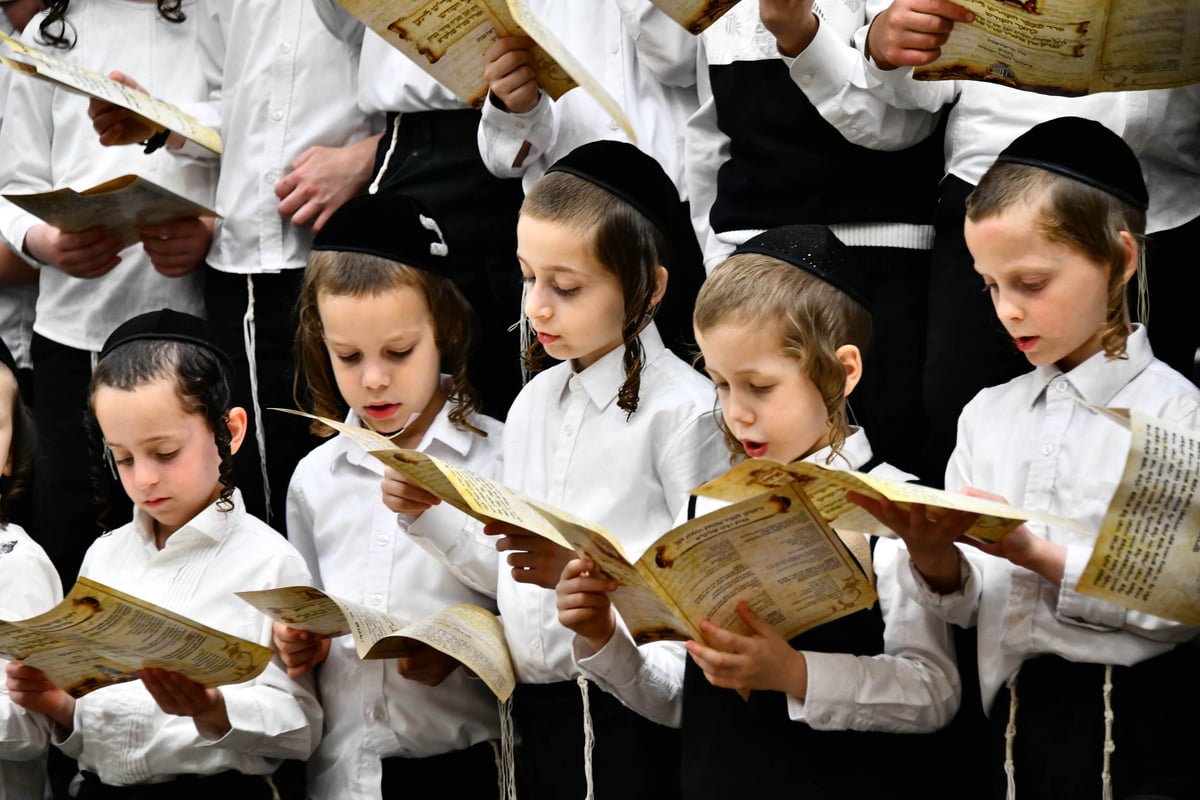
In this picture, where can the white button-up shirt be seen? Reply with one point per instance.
(48, 143)
(120, 733)
(280, 83)
(1032, 443)
(642, 58)
(911, 687)
(357, 552)
(890, 110)
(29, 585)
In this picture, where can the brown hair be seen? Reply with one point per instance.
(360, 275)
(1077, 215)
(813, 319)
(620, 238)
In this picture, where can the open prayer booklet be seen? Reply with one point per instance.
(81, 80)
(827, 488)
(469, 634)
(98, 636)
(124, 205)
(772, 550)
(1074, 47)
(1147, 555)
(448, 39)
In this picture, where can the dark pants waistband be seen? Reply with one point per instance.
(184, 787)
(467, 774)
(432, 123)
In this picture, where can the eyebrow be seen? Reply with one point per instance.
(163, 437)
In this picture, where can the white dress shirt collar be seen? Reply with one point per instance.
(603, 379)
(212, 522)
(1098, 379)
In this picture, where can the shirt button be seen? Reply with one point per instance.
(277, 115)
(376, 713)
(269, 176)
(376, 599)
(569, 430)
(615, 48)
(805, 79)
(612, 126)
(1047, 449)
(382, 539)
(286, 47)
(535, 644)
(1060, 385)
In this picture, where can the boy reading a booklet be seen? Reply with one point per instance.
(782, 328)
(162, 420)
(1085, 697)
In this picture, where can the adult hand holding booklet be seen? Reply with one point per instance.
(124, 205)
(76, 78)
(773, 550)
(469, 634)
(98, 636)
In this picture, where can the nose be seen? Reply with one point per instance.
(1007, 306)
(737, 409)
(375, 375)
(145, 473)
(536, 304)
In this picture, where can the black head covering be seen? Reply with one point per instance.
(814, 249)
(6, 358)
(389, 226)
(1084, 150)
(166, 324)
(637, 178)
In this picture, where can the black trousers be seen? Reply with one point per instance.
(436, 161)
(229, 784)
(468, 774)
(226, 296)
(74, 496)
(1058, 747)
(632, 758)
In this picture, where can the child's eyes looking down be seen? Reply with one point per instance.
(127, 461)
(562, 291)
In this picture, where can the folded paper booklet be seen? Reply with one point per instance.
(773, 550)
(124, 205)
(695, 15)
(469, 634)
(1147, 555)
(448, 38)
(1074, 47)
(827, 488)
(98, 636)
(81, 80)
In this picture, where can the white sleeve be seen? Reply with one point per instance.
(881, 109)
(647, 679)
(25, 141)
(510, 143)
(340, 22)
(706, 148)
(912, 687)
(458, 543)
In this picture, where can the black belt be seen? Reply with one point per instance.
(182, 787)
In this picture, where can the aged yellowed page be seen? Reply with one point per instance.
(827, 488)
(1147, 555)
(98, 636)
(80, 79)
(1074, 47)
(469, 634)
(773, 551)
(1049, 46)
(694, 15)
(1150, 45)
(447, 39)
(124, 205)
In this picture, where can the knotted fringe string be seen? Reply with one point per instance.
(589, 737)
(274, 788)
(249, 339)
(387, 157)
(1010, 735)
(522, 324)
(505, 762)
(1109, 744)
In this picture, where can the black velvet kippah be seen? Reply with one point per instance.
(814, 249)
(166, 324)
(621, 169)
(1084, 150)
(6, 358)
(388, 226)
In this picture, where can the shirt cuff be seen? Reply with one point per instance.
(618, 661)
(822, 68)
(1074, 606)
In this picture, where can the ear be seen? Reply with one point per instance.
(236, 420)
(660, 285)
(851, 359)
(7, 471)
(1131, 255)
